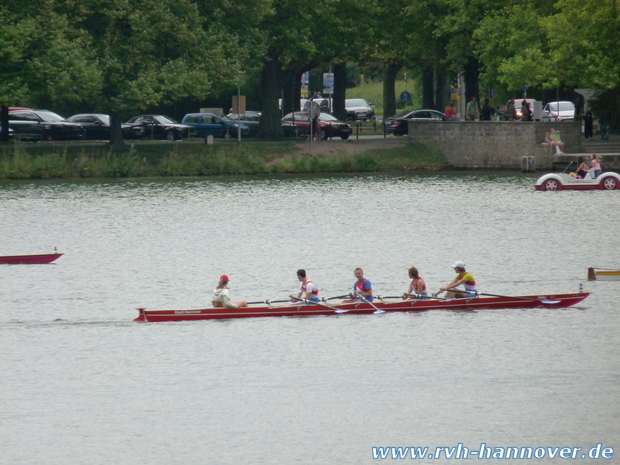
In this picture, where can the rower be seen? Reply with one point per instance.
(464, 278)
(308, 291)
(361, 288)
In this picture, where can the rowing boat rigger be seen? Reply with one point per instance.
(303, 309)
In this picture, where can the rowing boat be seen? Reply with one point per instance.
(597, 274)
(301, 309)
(30, 259)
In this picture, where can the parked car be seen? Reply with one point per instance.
(158, 127)
(214, 124)
(399, 124)
(11, 133)
(519, 102)
(43, 125)
(250, 118)
(559, 111)
(298, 124)
(358, 109)
(97, 126)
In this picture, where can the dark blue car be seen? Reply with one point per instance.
(214, 124)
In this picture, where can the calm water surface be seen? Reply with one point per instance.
(82, 384)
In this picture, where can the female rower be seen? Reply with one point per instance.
(221, 298)
(464, 278)
(417, 285)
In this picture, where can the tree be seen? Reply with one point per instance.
(42, 58)
(151, 52)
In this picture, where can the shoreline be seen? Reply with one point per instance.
(65, 160)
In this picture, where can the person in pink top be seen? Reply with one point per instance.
(417, 285)
(595, 164)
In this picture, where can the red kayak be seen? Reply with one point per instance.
(469, 303)
(30, 259)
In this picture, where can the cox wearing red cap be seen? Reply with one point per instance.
(221, 297)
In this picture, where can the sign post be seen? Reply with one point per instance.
(328, 87)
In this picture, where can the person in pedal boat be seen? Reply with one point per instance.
(361, 287)
(417, 285)
(307, 290)
(221, 298)
(464, 278)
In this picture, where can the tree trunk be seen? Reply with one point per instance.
(291, 91)
(472, 73)
(340, 91)
(389, 92)
(428, 93)
(117, 142)
(4, 124)
(440, 89)
(270, 126)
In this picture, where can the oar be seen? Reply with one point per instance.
(377, 310)
(425, 297)
(269, 302)
(338, 297)
(309, 302)
(544, 301)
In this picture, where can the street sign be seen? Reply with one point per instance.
(328, 83)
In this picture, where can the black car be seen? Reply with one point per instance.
(399, 124)
(43, 125)
(158, 127)
(97, 126)
(250, 118)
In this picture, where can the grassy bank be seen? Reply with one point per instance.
(38, 161)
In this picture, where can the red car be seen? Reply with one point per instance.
(298, 124)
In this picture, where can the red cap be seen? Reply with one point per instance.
(224, 277)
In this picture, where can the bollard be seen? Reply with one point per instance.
(209, 140)
(524, 164)
(528, 164)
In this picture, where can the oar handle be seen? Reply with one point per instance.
(338, 297)
(278, 301)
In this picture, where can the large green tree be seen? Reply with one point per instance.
(42, 58)
(151, 52)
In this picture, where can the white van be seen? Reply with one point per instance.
(559, 111)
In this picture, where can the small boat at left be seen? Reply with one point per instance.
(29, 259)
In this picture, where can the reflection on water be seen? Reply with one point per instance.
(82, 376)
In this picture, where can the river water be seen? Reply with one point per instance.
(81, 383)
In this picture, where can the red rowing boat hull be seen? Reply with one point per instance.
(527, 301)
(30, 259)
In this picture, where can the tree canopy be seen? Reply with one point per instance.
(123, 56)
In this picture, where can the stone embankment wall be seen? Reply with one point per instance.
(495, 144)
